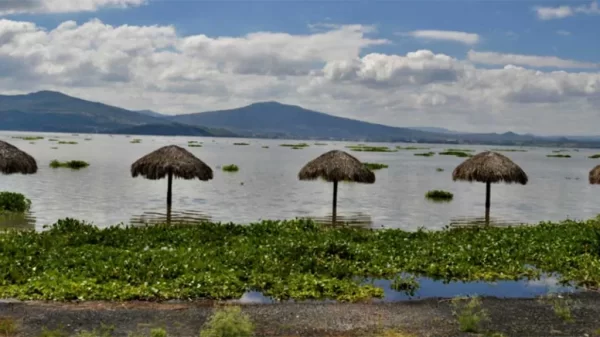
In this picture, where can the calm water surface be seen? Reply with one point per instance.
(267, 186)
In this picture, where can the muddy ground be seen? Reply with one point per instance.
(431, 317)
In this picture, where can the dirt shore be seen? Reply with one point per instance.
(431, 317)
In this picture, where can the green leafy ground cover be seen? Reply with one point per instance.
(290, 259)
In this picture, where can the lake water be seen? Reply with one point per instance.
(267, 185)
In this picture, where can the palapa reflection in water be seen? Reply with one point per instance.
(20, 221)
(481, 221)
(348, 219)
(178, 217)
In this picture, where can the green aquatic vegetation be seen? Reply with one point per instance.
(28, 137)
(408, 148)
(59, 332)
(558, 155)
(265, 147)
(136, 141)
(509, 150)
(299, 259)
(194, 145)
(425, 154)
(228, 322)
(459, 150)
(231, 168)
(365, 148)
(67, 142)
(13, 202)
(299, 145)
(241, 144)
(53, 140)
(460, 154)
(320, 144)
(560, 151)
(594, 156)
(439, 195)
(439, 169)
(72, 164)
(54, 148)
(469, 315)
(375, 166)
(88, 139)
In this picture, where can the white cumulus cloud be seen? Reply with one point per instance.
(8, 7)
(526, 60)
(561, 12)
(445, 35)
(331, 69)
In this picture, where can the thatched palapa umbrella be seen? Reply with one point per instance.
(335, 166)
(595, 175)
(13, 160)
(171, 161)
(489, 167)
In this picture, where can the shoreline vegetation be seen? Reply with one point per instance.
(299, 259)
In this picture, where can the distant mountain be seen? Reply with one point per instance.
(276, 120)
(433, 129)
(174, 129)
(151, 113)
(50, 111)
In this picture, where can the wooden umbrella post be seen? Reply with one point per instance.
(487, 202)
(169, 195)
(334, 216)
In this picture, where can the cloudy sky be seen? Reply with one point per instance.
(519, 66)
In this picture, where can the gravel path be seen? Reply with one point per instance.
(432, 317)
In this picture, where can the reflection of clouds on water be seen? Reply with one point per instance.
(437, 289)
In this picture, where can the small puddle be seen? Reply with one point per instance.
(438, 289)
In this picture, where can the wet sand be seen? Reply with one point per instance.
(431, 317)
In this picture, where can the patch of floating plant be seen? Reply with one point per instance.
(409, 148)
(320, 144)
(560, 150)
(283, 260)
(375, 166)
(439, 196)
(509, 150)
(425, 154)
(241, 144)
(439, 169)
(365, 148)
(460, 150)
(295, 146)
(67, 142)
(558, 155)
(265, 147)
(460, 154)
(194, 145)
(28, 137)
(72, 164)
(230, 168)
(53, 140)
(136, 141)
(595, 156)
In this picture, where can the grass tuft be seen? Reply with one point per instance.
(8, 327)
(469, 315)
(228, 322)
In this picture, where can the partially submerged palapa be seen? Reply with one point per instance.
(335, 166)
(489, 167)
(595, 175)
(13, 160)
(171, 161)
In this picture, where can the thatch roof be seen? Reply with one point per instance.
(181, 162)
(337, 166)
(13, 160)
(595, 175)
(490, 167)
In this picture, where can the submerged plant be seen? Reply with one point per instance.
(375, 166)
(231, 168)
(72, 164)
(439, 195)
(13, 202)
